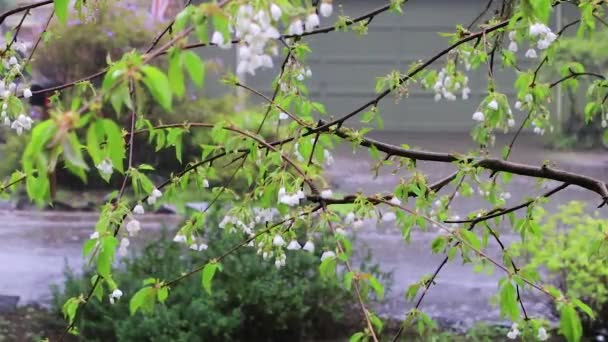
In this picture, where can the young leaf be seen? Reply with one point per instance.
(570, 324)
(208, 273)
(195, 67)
(61, 10)
(158, 85)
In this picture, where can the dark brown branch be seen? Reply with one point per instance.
(27, 7)
(491, 164)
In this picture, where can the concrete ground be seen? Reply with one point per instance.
(36, 246)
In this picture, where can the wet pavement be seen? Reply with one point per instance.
(35, 247)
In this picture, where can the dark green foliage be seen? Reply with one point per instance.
(251, 299)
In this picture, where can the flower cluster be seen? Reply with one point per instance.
(544, 35)
(256, 31)
(235, 222)
(297, 27)
(514, 332)
(290, 199)
(446, 85)
(23, 122)
(541, 33)
(115, 295)
(156, 194)
(351, 219)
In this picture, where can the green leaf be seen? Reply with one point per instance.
(348, 280)
(508, 300)
(158, 85)
(195, 67)
(356, 337)
(208, 273)
(377, 286)
(143, 300)
(61, 10)
(115, 144)
(570, 324)
(106, 255)
(584, 307)
(327, 269)
(176, 75)
(471, 238)
(162, 294)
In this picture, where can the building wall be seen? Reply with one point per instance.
(345, 66)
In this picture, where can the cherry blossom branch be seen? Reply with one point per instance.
(543, 171)
(16, 33)
(204, 44)
(22, 8)
(35, 47)
(409, 76)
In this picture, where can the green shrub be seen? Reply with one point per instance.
(562, 250)
(251, 300)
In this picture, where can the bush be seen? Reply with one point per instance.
(562, 249)
(251, 300)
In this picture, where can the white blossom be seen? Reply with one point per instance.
(326, 9)
(395, 201)
(357, 223)
(437, 97)
(278, 241)
(340, 231)
(309, 246)
(466, 91)
(513, 46)
(478, 116)
(202, 246)
(133, 227)
(542, 334)
(329, 159)
(518, 105)
(514, 332)
(138, 210)
(511, 122)
(275, 12)
(27, 93)
(326, 193)
(528, 98)
(205, 183)
(493, 105)
(301, 194)
(537, 29)
(512, 35)
(350, 218)
(308, 73)
(296, 28)
(122, 249)
(94, 236)
(312, 22)
(180, 238)
(327, 255)
(389, 216)
(154, 196)
(23, 122)
(106, 167)
(280, 261)
(218, 39)
(293, 245)
(283, 116)
(115, 295)
(531, 53)
(13, 60)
